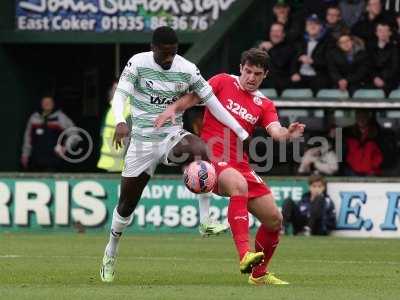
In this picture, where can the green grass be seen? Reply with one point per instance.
(53, 266)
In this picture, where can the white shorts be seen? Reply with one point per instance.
(146, 156)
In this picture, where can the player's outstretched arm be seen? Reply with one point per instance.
(182, 104)
(277, 132)
(215, 107)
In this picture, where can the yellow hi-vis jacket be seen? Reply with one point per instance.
(111, 160)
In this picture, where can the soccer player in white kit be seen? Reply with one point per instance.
(152, 80)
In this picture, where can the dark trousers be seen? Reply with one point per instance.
(315, 83)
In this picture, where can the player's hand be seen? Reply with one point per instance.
(121, 131)
(168, 114)
(296, 130)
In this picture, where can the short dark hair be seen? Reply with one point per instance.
(255, 57)
(317, 178)
(164, 35)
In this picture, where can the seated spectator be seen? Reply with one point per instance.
(309, 66)
(384, 59)
(348, 65)
(314, 213)
(281, 54)
(318, 7)
(40, 151)
(396, 31)
(352, 11)
(365, 28)
(282, 14)
(363, 154)
(334, 25)
(320, 159)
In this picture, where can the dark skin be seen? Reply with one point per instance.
(189, 149)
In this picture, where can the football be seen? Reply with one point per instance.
(200, 177)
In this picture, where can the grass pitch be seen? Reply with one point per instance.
(66, 266)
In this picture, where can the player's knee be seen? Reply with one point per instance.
(275, 221)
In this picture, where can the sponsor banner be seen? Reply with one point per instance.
(58, 204)
(366, 209)
(118, 15)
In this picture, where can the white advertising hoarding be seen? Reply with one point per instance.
(366, 209)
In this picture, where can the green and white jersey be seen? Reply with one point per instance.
(151, 89)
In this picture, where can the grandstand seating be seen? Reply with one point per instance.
(270, 93)
(332, 94)
(395, 94)
(297, 94)
(369, 94)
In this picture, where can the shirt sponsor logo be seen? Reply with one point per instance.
(162, 100)
(237, 109)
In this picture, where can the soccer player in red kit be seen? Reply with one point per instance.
(236, 179)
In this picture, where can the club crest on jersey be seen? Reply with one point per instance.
(149, 84)
(180, 87)
(257, 100)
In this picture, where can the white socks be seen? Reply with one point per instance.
(117, 227)
(204, 206)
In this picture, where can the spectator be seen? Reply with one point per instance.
(352, 11)
(384, 57)
(348, 65)
(40, 151)
(309, 66)
(396, 36)
(365, 28)
(111, 159)
(314, 213)
(282, 14)
(321, 159)
(318, 7)
(363, 155)
(334, 25)
(281, 54)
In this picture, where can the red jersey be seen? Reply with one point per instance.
(249, 109)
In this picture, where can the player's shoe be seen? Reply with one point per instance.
(107, 270)
(267, 279)
(212, 227)
(249, 260)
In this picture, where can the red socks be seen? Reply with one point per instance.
(265, 241)
(238, 219)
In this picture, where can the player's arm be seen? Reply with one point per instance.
(280, 133)
(125, 89)
(203, 93)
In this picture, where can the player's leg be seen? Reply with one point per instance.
(208, 226)
(232, 183)
(131, 191)
(188, 149)
(266, 211)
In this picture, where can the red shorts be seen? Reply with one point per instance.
(256, 186)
